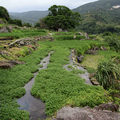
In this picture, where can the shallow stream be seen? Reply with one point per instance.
(34, 106)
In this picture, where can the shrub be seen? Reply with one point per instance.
(108, 74)
(114, 42)
(16, 22)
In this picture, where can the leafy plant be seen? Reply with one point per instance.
(114, 42)
(108, 74)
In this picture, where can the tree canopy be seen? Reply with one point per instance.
(4, 13)
(61, 17)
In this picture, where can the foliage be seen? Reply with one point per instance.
(41, 24)
(12, 82)
(55, 86)
(61, 17)
(108, 74)
(27, 25)
(19, 33)
(58, 87)
(4, 13)
(114, 42)
(15, 21)
(69, 37)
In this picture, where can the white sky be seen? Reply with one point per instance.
(29, 5)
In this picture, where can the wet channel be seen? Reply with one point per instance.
(34, 106)
(72, 63)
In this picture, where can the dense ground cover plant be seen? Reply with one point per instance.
(19, 33)
(58, 87)
(12, 82)
(55, 86)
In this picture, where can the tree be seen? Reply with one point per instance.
(4, 13)
(61, 17)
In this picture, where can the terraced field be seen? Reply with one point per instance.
(55, 86)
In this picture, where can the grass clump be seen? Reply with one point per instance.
(114, 42)
(108, 74)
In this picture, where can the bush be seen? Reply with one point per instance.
(16, 22)
(108, 74)
(114, 42)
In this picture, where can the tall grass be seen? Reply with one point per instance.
(108, 74)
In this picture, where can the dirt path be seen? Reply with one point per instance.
(72, 63)
(34, 106)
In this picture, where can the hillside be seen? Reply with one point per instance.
(29, 17)
(98, 5)
(100, 16)
(107, 11)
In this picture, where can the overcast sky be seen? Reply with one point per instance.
(29, 5)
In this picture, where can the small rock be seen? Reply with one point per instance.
(4, 29)
(74, 37)
(80, 58)
(94, 81)
(86, 36)
(60, 30)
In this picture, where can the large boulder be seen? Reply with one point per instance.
(86, 113)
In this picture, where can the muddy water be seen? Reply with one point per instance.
(34, 106)
(72, 63)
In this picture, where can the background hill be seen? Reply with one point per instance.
(107, 11)
(95, 16)
(100, 16)
(29, 17)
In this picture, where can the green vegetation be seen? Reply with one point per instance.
(15, 22)
(4, 13)
(100, 16)
(114, 42)
(19, 33)
(58, 87)
(54, 85)
(61, 17)
(108, 74)
(12, 82)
